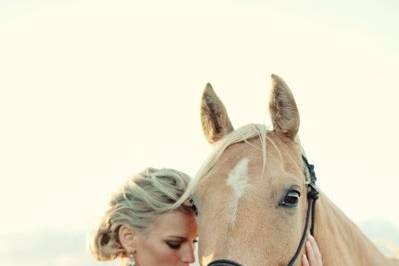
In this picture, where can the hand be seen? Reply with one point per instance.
(313, 256)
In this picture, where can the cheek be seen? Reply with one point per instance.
(156, 253)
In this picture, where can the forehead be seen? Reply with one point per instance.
(179, 223)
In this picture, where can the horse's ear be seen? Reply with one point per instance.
(283, 109)
(214, 118)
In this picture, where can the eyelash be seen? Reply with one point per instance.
(177, 246)
(173, 246)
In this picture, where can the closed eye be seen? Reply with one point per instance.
(173, 245)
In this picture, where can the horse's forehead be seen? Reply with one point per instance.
(250, 151)
(255, 151)
(274, 158)
(250, 148)
(231, 171)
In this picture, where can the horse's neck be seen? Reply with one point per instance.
(341, 242)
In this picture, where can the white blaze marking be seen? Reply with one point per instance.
(238, 181)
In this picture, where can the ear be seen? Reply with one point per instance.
(283, 109)
(127, 237)
(215, 121)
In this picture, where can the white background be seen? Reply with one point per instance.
(92, 92)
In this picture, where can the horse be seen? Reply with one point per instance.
(256, 199)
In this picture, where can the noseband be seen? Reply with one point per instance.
(313, 195)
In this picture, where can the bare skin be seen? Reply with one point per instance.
(169, 241)
(313, 256)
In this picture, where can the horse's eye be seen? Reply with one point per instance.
(291, 199)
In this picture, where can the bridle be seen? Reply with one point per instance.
(313, 195)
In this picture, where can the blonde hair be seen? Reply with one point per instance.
(138, 203)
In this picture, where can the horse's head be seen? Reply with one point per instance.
(251, 194)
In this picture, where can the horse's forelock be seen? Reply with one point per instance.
(243, 133)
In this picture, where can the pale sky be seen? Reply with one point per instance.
(92, 92)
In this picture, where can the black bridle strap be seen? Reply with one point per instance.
(312, 197)
(313, 193)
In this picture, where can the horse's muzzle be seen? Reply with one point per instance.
(224, 263)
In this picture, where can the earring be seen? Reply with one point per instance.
(131, 259)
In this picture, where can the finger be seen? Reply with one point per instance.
(305, 261)
(309, 253)
(315, 248)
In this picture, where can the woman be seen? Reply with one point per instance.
(144, 227)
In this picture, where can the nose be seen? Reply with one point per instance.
(187, 255)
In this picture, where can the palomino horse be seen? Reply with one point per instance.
(252, 194)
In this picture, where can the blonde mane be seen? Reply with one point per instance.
(243, 133)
